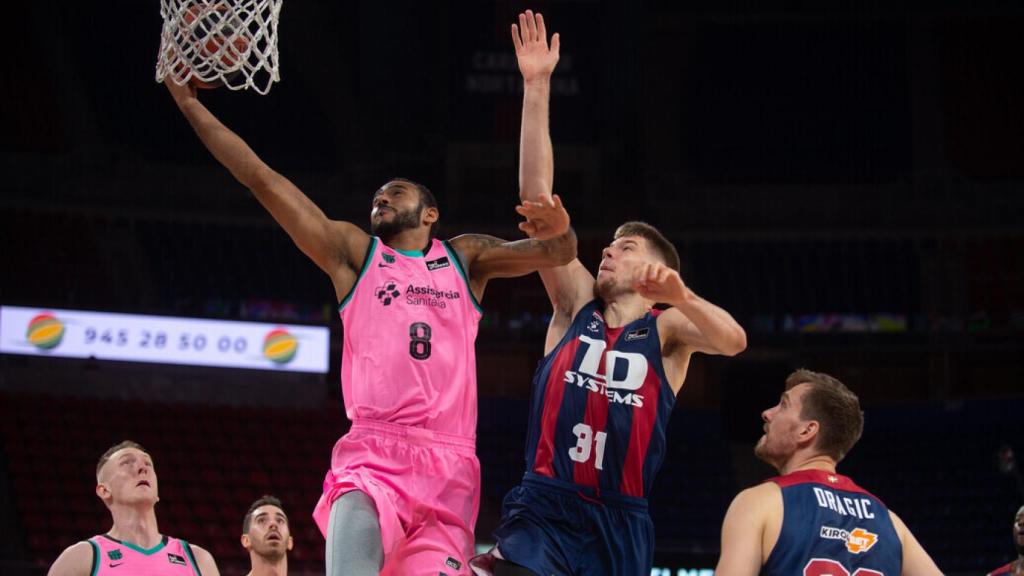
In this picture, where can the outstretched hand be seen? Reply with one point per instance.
(659, 283)
(536, 60)
(545, 219)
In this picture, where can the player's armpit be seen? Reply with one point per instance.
(569, 288)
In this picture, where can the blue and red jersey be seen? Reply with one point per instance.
(832, 526)
(599, 407)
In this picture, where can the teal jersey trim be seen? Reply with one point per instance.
(410, 253)
(147, 552)
(458, 264)
(366, 265)
(191, 556)
(95, 557)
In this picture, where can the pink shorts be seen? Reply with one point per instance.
(426, 486)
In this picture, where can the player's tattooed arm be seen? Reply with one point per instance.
(485, 257)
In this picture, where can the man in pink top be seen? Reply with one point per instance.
(402, 493)
(126, 482)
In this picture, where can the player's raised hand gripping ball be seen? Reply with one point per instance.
(214, 44)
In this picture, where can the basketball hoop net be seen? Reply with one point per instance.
(220, 42)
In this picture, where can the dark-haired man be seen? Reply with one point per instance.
(810, 519)
(403, 490)
(267, 537)
(603, 394)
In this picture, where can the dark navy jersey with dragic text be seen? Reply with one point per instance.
(832, 526)
(599, 406)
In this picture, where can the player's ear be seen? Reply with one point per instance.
(809, 431)
(246, 541)
(431, 214)
(291, 543)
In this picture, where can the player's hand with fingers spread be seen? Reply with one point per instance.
(545, 219)
(536, 60)
(181, 94)
(659, 283)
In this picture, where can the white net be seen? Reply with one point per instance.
(213, 43)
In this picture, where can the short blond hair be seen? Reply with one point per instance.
(113, 449)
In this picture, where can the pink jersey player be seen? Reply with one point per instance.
(401, 494)
(409, 382)
(410, 323)
(126, 482)
(171, 557)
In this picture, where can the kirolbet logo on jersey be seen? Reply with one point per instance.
(45, 331)
(280, 346)
(857, 540)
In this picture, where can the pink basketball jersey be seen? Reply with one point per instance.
(171, 557)
(410, 325)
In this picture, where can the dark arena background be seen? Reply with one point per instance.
(847, 182)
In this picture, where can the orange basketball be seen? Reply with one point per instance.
(214, 35)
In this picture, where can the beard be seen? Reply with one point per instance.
(607, 289)
(408, 220)
(761, 450)
(271, 554)
(774, 456)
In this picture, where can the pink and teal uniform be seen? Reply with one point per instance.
(171, 557)
(408, 376)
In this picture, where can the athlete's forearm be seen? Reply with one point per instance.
(562, 248)
(226, 146)
(718, 326)
(291, 208)
(536, 157)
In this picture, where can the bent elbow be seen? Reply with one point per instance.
(737, 344)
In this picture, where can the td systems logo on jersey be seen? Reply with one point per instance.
(415, 295)
(857, 540)
(624, 372)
